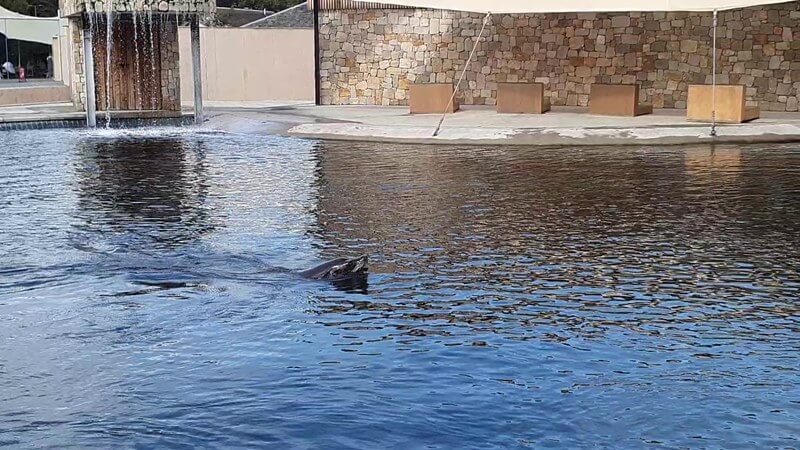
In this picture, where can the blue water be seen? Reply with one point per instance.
(518, 297)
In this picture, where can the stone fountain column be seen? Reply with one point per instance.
(125, 56)
(197, 72)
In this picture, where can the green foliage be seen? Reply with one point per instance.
(272, 5)
(19, 6)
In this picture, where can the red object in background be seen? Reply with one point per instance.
(22, 75)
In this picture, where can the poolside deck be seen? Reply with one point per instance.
(472, 125)
(561, 126)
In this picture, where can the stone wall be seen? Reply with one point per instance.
(78, 86)
(203, 8)
(370, 57)
(170, 68)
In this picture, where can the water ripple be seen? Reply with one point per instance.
(569, 298)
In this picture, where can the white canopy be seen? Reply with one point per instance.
(567, 6)
(27, 28)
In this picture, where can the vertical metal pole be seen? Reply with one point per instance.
(88, 70)
(317, 81)
(5, 34)
(714, 80)
(196, 70)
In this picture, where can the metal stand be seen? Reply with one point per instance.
(88, 70)
(196, 71)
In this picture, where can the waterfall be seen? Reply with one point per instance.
(152, 60)
(109, 46)
(136, 58)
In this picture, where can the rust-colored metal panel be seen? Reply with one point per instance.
(134, 85)
(731, 105)
(521, 98)
(432, 98)
(617, 100)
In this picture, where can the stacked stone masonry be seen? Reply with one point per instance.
(170, 68)
(371, 57)
(204, 8)
(78, 76)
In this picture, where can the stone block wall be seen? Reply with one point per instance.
(170, 68)
(78, 86)
(204, 8)
(371, 57)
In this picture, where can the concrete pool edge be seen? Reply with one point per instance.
(550, 137)
(563, 126)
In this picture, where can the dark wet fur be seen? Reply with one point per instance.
(340, 271)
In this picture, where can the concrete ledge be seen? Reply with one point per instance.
(666, 135)
(33, 94)
(563, 126)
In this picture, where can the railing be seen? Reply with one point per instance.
(333, 5)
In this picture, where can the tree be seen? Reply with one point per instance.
(18, 6)
(41, 8)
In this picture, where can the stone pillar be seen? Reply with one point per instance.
(88, 61)
(196, 70)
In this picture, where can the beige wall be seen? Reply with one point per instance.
(250, 65)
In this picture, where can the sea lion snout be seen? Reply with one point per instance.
(351, 269)
(340, 269)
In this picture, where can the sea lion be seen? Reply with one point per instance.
(339, 270)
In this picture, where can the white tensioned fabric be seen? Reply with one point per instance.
(577, 6)
(27, 28)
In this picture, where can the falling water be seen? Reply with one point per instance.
(152, 59)
(136, 78)
(109, 46)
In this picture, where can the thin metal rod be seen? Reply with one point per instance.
(463, 74)
(317, 77)
(5, 34)
(714, 80)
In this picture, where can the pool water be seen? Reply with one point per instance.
(518, 297)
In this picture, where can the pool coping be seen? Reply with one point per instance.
(562, 127)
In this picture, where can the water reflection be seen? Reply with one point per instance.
(152, 192)
(723, 163)
(546, 244)
(560, 298)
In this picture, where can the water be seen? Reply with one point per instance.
(519, 297)
(136, 65)
(109, 49)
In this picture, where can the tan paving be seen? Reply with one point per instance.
(45, 112)
(561, 126)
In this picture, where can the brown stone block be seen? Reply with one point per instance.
(730, 104)
(432, 98)
(617, 100)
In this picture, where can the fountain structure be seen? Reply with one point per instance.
(125, 56)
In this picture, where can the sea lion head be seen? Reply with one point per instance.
(346, 270)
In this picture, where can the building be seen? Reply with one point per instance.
(370, 54)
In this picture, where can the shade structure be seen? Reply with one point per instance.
(576, 6)
(27, 28)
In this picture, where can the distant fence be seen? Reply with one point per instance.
(250, 64)
(332, 5)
